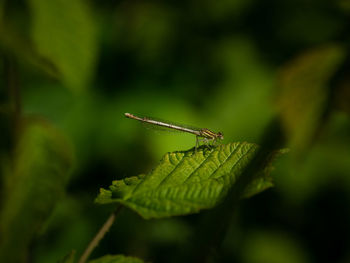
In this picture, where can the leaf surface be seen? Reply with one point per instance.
(65, 34)
(33, 183)
(304, 93)
(187, 182)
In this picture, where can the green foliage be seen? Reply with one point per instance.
(33, 184)
(305, 94)
(187, 182)
(116, 259)
(65, 34)
(212, 65)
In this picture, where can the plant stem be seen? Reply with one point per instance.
(11, 73)
(100, 234)
(10, 103)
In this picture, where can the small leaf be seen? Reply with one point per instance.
(304, 92)
(116, 259)
(64, 33)
(32, 186)
(187, 182)
(69, 258)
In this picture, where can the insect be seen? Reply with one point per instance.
(202, 134)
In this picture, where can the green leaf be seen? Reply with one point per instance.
(116, 259)
(18, 45)
(187, 182)
(32, 185)
(64, 33)
(304, 90)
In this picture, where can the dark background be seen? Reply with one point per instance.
(80, 65)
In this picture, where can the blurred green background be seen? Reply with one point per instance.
(75, 68)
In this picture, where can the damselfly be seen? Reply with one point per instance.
(204, 135)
